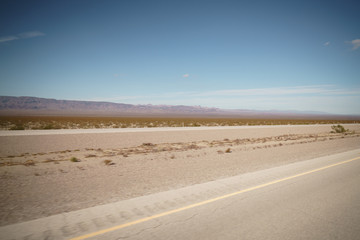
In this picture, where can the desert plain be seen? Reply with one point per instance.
(48, 172)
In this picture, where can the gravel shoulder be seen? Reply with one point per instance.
(38, 179)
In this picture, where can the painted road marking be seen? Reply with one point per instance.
(207, 201)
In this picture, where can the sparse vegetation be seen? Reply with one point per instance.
(48, 160)
(46, 122)
(108, 162)
(51, 126)
(338, 129)
(74, 159)
(148, 144)
(227, 146)
(29, 163)
(17, 127)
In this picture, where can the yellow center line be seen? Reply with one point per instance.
(207, 201)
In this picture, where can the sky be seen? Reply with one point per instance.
(261, 55)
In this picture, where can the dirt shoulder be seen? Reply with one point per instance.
(38, 180)
(79, 139)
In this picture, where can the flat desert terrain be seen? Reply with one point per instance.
(49, 172)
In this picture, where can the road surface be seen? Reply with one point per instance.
(314, 199)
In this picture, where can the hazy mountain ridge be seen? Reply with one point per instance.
(34, 104)
(45, 106)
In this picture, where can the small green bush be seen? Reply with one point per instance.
(74, 159)
(338, 129)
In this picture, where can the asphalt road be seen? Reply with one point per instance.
(314, 199)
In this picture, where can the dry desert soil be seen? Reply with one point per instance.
(46, 173)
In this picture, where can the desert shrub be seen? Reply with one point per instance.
(74, 159)
(17, 127)
(51, 126)
(338, 129)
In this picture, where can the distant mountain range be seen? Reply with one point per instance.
(35, 105)
(32, 106)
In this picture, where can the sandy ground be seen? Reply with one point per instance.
(38, 179)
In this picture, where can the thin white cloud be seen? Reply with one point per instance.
(326, 44)
(23, 35)
(31, 34)
(121, 99)
(186, 75)
(355, 43)
(8, 38)
(323, 98)
(324, 89)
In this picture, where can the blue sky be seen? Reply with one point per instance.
(264, 55)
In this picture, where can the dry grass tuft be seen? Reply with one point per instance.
(48, 160)
(29, 163)
(74, 159)
(148, 144)
(108, 162)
